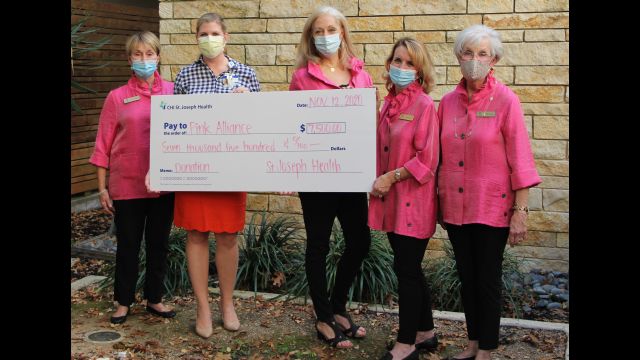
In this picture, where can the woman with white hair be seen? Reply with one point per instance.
(486, 171)
(325, 61)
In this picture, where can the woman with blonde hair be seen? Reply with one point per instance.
(326, 60)
(403, 201)
(122, 147)
(222, 213)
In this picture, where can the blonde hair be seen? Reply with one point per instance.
(307, 49)
(210, 17)
(421, 62)
(142, 37)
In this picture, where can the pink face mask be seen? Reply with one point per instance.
(474, 69)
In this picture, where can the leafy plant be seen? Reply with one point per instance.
(375, 281)
(445, 285)
(81, 45)
(269, 251)
(176, 280)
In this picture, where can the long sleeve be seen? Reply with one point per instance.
(107, 129)
(518, 148)
(427, 144)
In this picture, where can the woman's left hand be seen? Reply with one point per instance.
(382, 185)
(241, 89)
(518, 228)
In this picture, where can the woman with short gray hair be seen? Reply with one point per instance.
(484, 177)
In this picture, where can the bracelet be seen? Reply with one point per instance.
(396, 174)
(520, 208)
(103, 191)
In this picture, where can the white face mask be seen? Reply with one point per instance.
(474, 69)
(211, 46)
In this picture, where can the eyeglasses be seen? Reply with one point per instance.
(469, 55)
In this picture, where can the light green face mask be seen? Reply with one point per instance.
(211, 46)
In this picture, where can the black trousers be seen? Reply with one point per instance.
(319, 211)
(479, 252)
(414, 297)
(133, 218)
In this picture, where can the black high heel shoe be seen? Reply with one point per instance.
(337, 338)
(120, 319)
(414, 355)
(353, 328)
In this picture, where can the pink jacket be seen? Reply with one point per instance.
(407, 136)
(122, 142)
(312, 78)
(480, 172)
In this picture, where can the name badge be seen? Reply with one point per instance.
(230, 80)
(485, 113)
(406, 117)
(131, 99)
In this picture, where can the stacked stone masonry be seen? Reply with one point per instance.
(264, 35)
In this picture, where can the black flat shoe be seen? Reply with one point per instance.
(414, 355)
(165, 314)
(431, 344)
(467, 358)
(120, 319)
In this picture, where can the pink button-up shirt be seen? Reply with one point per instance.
(481, 169)
(122, 142)
(407, 137)
(312, 78)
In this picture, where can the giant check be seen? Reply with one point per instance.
(317, 140)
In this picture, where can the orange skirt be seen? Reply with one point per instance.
(216, 212)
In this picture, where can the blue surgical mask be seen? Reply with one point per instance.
(327, 45)
(144, 69)
(400, 77)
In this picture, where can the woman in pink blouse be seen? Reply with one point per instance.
(326, 60)
(484, 178)
(403, 201)
(122, 146)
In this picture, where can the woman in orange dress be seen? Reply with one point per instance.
(222, 213)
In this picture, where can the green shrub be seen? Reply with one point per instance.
(271, 248)
(375, 281)
(442, 277)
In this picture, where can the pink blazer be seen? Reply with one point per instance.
(312, 78)
(122, 142)
(481, 170)
(407, 136)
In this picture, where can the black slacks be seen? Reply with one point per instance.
(414, 297)
(133, 218)
(319, 212)
(479, 252)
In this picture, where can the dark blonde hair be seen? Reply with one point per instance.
(210, 17)
(421, 62)
(307, 48)
(143, 37)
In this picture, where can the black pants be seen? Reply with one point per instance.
(478, 250)
(319, 211)
(153, 217)
(414, 297)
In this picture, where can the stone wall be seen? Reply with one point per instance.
(264, 35)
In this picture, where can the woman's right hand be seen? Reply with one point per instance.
(106, 202)
(147, 184)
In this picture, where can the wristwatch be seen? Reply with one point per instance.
(396, 174)
(521, 208)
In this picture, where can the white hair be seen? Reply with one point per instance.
(473, 35)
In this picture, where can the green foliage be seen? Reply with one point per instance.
(271, 248)
(446, 295)
(375, 281)
(81, 45)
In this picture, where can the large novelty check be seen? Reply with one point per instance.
(317, 140)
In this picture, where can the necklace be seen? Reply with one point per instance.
(466, 114)
(330, 66)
